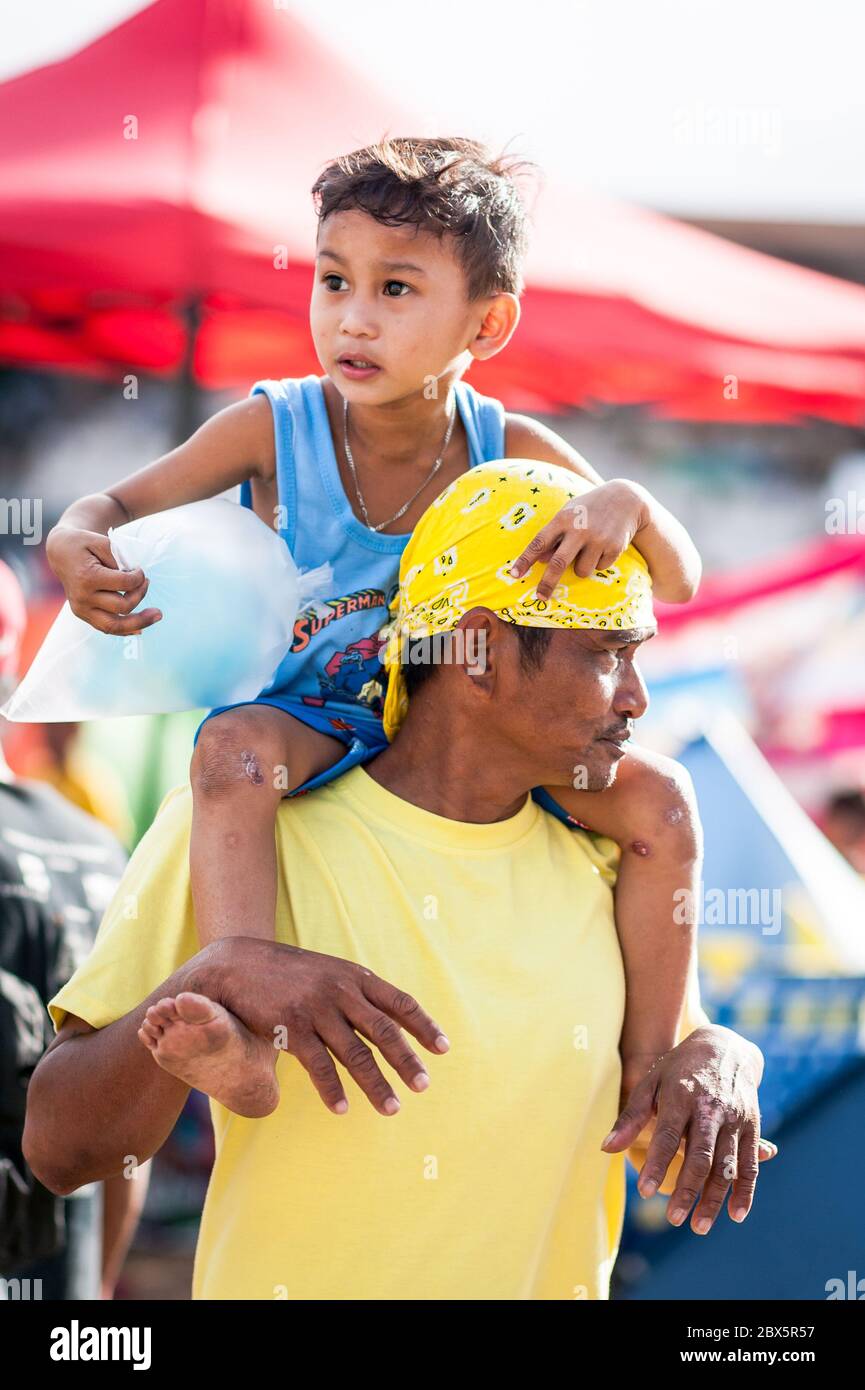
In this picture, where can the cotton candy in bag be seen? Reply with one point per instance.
(229, 592)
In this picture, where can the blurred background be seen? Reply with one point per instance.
(694, 318)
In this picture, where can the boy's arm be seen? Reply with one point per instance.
(619, 512)
(230, 447)
(235, 444)
(650, 810)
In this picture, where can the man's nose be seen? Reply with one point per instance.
(632, 697)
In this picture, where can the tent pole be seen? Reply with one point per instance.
(186, 417)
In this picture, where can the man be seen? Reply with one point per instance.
(58, 870)
(432, 867)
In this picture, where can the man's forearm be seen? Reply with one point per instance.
(98, 1100)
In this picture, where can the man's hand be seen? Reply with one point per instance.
(312, 1005)
(589, 532)
(705, 1092)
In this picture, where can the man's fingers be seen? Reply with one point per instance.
(766, 1150)
(700, 1145)
(663, 1147)
(404, 1010)
(748, 1171)
(723, 1172)
(359, 1060)
(633, 1117)
(312, 1054)
(388, 1038)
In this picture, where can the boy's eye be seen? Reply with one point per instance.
(399, 282)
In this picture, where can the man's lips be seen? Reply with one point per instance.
(618, 741)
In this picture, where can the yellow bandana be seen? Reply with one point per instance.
(460, 552)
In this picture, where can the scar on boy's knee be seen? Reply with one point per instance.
(249, 763)
(673, 815)
(641, 847)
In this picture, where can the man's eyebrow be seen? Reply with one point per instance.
(383, 265)
(631, 635)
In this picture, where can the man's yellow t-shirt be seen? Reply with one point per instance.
(491, 1184)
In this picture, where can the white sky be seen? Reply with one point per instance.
(725, 107)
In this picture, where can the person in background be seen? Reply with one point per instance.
(88, 782)
(844, 825)
(58, 870)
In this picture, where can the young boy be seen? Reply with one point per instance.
(417, 274)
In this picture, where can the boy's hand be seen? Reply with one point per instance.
(100, 593)
(589, 532)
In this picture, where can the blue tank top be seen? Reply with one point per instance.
(333, 664)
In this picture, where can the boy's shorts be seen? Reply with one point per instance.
(364, 738)
(363, 741)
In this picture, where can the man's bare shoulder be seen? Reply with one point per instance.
(526, 438)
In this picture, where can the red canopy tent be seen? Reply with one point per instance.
(799, 620)
(155, 214)
(806, 565)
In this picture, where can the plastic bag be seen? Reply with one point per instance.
(229, 592)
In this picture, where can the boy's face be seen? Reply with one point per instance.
(393, 296)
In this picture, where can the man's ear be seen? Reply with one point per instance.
(475, 648)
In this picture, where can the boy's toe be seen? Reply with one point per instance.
(195, 1008)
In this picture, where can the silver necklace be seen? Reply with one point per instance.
(404, 508)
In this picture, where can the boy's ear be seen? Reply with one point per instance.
(500, 319)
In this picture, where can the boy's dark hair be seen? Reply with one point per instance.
(444, 186)
(533, 644)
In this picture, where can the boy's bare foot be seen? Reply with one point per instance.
(209, 1048)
